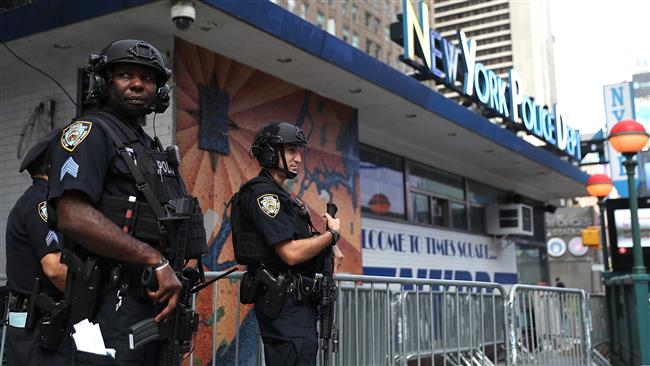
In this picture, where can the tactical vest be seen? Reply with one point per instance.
(250, 248)
(166, 202)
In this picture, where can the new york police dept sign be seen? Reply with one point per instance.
(505, 99)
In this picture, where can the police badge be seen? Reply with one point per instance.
(269, 204)
(42, 210)
(74, 134)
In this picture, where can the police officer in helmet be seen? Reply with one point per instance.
(273, 234)
(33, 255)
(110, 180)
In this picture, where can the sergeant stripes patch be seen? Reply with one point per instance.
(51, 236)
(69, 167)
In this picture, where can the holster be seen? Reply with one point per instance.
(82, 285)
(274, 295)
(249, 287)
(52, 326)
(48, 317)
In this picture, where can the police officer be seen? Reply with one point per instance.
(281, 223)
(33, 254)
(109, 182)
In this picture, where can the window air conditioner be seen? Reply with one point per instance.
(514, 219)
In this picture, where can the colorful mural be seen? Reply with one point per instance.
(220, 104)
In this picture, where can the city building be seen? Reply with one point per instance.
(509, 34)
(425, 187)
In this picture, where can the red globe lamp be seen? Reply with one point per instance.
(599, 185)
(628, 137)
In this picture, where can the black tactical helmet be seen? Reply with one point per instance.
(268, 147)
(130, 51)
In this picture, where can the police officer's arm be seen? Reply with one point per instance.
(91, 229)
(55, 271)
(47, 246)
(294, 252)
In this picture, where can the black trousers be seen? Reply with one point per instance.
(290, 340)
(23, 350)
(114, 325)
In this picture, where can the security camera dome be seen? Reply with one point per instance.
(183, 14)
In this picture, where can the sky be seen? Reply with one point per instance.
(597, 43)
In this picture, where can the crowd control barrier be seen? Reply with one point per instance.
(420, 322)
(548, 326)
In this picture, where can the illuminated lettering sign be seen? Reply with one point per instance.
(457, 68)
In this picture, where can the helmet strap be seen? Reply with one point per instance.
(289, 174)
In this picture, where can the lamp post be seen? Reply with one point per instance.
(599, 186)
(628, 137)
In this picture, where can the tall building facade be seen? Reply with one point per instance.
(509, 33)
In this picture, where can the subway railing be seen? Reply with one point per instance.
(406, 321)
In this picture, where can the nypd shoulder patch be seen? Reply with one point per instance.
(42, 210)
(74, 134)
(269, 204)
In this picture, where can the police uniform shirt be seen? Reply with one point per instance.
(276, 218)
(29, 240)
(84, 159)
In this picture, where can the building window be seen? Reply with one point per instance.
(291, 5)
(354, 13)
(378, 52)
(382, 183)
(368, 20)
(368, 46)
(436, 181)
(304, 10)
(320, 20)
(420, 208)
(444, 192)
(355, 40)
(345, 34)
(331, 26)
(481, 196)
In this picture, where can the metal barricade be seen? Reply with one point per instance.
(406, 321)
(400, 321)
(599, 319)
(548, 326)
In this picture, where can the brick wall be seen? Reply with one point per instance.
(21, 91)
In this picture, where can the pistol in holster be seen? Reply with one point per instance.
(81, 286)
(48, 317)
(274, 295)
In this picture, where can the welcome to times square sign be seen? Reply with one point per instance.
(457, 68)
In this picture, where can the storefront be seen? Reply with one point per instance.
(412, 172)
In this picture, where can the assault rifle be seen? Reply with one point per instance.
(328, 331)
(174, 333)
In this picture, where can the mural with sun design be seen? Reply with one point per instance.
(220, 105)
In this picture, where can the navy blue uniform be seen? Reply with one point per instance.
(84, 159)
(270, 211)
(29, 240)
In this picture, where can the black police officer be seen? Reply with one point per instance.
(95, 196)
(33, 252)
(279, 221)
